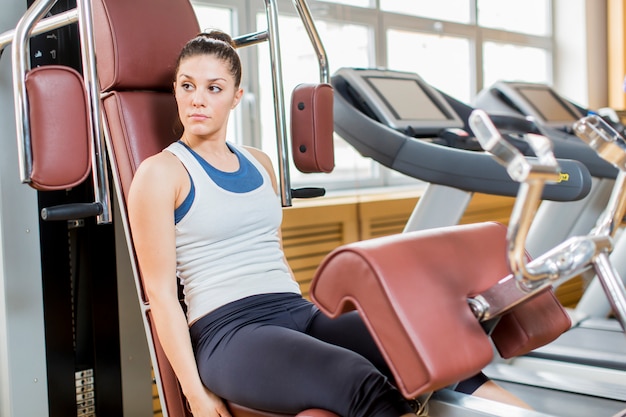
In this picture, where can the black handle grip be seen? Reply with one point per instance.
(308, 192)
(71, 211)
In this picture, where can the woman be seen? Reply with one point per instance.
(206, 211)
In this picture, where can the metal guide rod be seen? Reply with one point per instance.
(44, 25)
(251, 39)
(99, 167)
(613, 287)
(32, 24)
(271, 12)
(305, 15)
(20, 64)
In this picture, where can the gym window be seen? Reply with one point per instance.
(459, 46)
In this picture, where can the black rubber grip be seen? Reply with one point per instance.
(71, 211)
(308, 192)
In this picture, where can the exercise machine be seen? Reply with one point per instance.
(422, 157)
(595, 339)
(72, 339)
(118, 81)
(400, 273)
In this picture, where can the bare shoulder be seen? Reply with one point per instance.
(261, 156)
(163, 173)
(265, 160)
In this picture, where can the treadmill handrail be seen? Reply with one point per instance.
(433, 163)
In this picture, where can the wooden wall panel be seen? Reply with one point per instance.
(313, 228)
(616, 42)
(382, 217)
(484, 207)
(310, 232)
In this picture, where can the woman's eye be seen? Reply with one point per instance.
(214, 89)
(187, 86)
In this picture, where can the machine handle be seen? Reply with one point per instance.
(308, 192)
(71, 211)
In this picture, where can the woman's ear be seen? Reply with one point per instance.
(237, 98)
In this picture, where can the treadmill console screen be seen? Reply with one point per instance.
(540, 102)
(401, 100)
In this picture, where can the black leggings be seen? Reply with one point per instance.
(278, 353)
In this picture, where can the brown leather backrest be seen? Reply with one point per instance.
(60, 131)
(141, 124)
(312, 128)
(137, 43)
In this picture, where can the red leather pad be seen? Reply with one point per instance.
(141, 124)
(312, 128)
(411, 290)
(533, 324)
(138, 41)
(60, 130)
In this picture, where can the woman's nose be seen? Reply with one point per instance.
(198, 98)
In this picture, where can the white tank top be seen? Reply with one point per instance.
(227, 244)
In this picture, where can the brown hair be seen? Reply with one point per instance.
(218, 44)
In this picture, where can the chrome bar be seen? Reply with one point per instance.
(20, 65)
(609, 221)
(612, 285)
(99, 167)
(611, 147)
(524, 211)
(563, 262)
(532, 176)
(45, 25)
(305, 15)
(251, 39)
(271, 12)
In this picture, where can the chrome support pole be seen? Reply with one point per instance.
(251, 39)
(271, 12)
(21, 64)
(612, 285)
(99, 167)
(44, 25)
(305, 15)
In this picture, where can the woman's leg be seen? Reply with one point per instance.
(278, 369)
(349, 331)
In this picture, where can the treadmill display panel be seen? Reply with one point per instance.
(539, 101)
(401, 100)
(548, 104)
(406, 99)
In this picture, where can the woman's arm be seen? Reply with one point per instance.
(157, 186)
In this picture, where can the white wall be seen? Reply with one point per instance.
(580, 72)
(23, 378)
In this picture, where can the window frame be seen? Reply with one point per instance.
(244, 21)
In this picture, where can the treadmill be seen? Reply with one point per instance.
(596, 342)
(405, 124)
(553, 115)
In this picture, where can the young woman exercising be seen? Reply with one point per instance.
(206, 210)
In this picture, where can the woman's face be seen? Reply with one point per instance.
(205, 93)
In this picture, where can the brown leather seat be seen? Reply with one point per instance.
(137, 43)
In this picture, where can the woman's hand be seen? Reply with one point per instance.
(208, 404)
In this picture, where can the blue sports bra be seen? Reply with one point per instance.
(245, 179)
